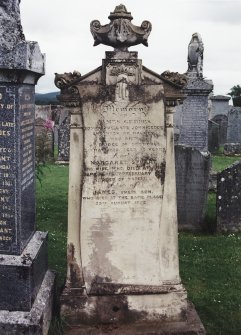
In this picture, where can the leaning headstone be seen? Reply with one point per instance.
(213, 136)
(192, 179)
(194, 122)
(229, 199)
(233, 145)
(219, 105)
(122, 234)
(26, 284)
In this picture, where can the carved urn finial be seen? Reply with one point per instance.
(120, 33)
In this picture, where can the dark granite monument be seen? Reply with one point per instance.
(26, 284)
(193, 129)
(192, 178)
(229, 199)
(123, 267)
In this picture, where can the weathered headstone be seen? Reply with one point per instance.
(222, 121)
(25, 291)
(63, 140)
(233, 145)
(122, 234)
(213, 136)
(192, 178)
(229, 199)
(219, 105)
(194, 122)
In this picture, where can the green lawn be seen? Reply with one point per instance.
(210, 265)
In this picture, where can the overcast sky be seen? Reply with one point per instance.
(62, 30)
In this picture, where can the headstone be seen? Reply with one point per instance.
(219, 105)
(194, 122)
(122, 224)
(26, 285)
(213, 136)
(192, 178)
(229, 199)
(233, 145)
(63, 140)
(222, 121)
(44, 140)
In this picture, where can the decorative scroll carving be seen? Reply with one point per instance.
(11, 32)
(195, 55)
(175, 78)
(120, 33)
(64, 80)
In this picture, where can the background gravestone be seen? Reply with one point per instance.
(222, 121)
(219, 105)
(233, 145)
(26, 285)
(63, 140)
(122, 224)
(192, 179)
(229, 199)
(194, 120)
(213, 136)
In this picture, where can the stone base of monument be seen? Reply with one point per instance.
(26, 291)
(37, 320)
(190, 325)
(161, 310)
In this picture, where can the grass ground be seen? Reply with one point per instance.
(210, 265)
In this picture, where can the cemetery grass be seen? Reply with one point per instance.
(210, 264)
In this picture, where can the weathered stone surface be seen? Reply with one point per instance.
(213, 136)
(234, 125)
(63, 140)
(122, 220)
(222, 121)
(232, 149)
(120, 33)
(21, 276)
(37, 320)
(219, 105)
(229, 199)
(11, 31)
(191, 326)
(192, 177)
(193, 126)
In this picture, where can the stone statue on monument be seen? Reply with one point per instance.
(195, 55)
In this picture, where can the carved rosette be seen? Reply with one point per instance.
(120, 33)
